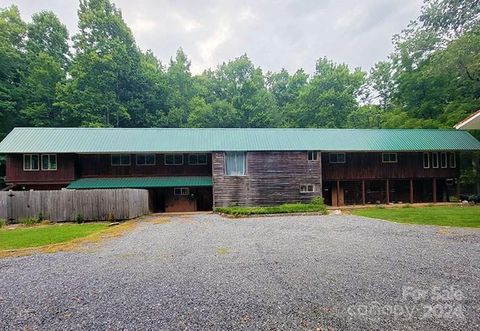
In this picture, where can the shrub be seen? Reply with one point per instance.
(79, 219)
(29, 221)
(317, 205)
(2, 223)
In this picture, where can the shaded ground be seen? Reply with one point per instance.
(276, 273)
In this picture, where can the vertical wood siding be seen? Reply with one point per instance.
(271, 178)
(67, 205)
(369, 166)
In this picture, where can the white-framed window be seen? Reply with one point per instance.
(443, 160)
(312, 155)
(235, 163)
(49, 162)
(453, 160)
(173, 159)
(389, 157)
(120, 159)
(307, 188)
(145, 159)
(435, 161)
(181, 191)
(336, 158)
(426, 160)
(31, 162)
(197, 159)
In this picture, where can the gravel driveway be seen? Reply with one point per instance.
(274, 273)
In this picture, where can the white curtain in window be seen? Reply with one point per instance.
(235, 163)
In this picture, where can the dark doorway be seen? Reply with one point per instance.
(157, 200)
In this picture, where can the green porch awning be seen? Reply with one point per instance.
(140, 182)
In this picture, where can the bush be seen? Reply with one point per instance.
(79, 219)
(29, 221)
(2, 223)
(316, 206)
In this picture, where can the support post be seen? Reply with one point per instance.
(364, 199)
(458, 189)
(338, 193)
(387, 187)
(411, 190)
(434, 187)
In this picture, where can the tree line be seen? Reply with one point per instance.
(99, 77)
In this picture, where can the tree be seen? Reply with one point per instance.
(219, 114)
(330, 96)
(12, 67)
(104, 70)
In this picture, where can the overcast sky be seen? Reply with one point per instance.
(275, 34)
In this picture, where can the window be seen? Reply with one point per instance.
(197, 159)
(307, 188)
(181, 191)
(435, 160)
(120, 159)
(173, 159)
(389, 158)
(443, 160)
(312, 156)
(453, 160)
(337, 157)
(235, 163)
(30, 162)
(145, 159)
(49, 162)
(426, 160)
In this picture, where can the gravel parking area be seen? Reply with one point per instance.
(272, 273)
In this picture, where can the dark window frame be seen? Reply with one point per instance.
(31, 159)
(389, 160)
(174, 155)
(49, 156)
(145, 158)
(121, 163)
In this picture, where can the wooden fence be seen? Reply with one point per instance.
(68, 205)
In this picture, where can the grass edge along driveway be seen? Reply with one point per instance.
(456, 216)
(42, 235)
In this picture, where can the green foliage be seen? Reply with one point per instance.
(79, 219)
(316, 206)
(29, 221)
(3, 223)
(431, 80)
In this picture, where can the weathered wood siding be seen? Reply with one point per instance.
(100, 166)
(65, 172)
(271, 178)
(368, 165)
(67, 205)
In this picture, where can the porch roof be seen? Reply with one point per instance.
(140, 182)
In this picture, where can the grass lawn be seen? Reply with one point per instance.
(462, 216)
(24, 237)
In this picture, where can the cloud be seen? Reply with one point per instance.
(275, 34)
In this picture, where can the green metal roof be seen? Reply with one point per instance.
(140, 182)
(123, 140)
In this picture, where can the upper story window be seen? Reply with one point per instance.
(312, 156)
(173, 159)
(337, 158)
(453, 160)
(49, 162)
(389, 158)
(30, 162)
(235, 163)
(145, 159)
(197, 159)
(443, 160)
(426, 160)
(435, 160)
(120, 159)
